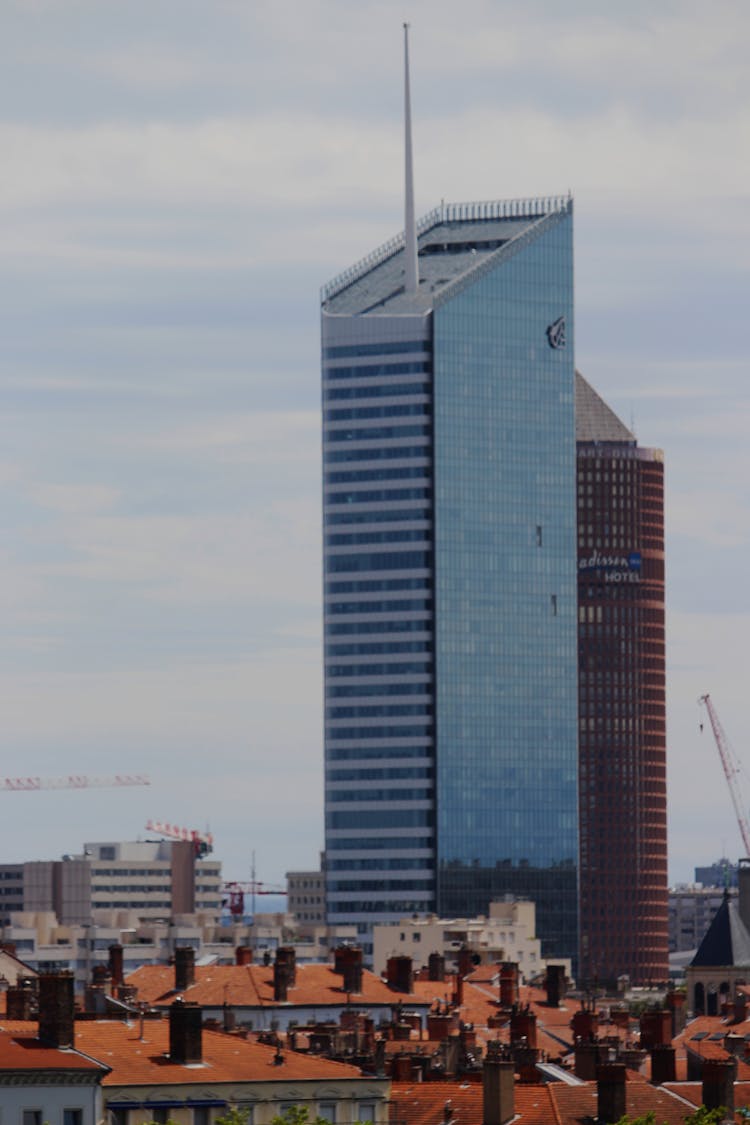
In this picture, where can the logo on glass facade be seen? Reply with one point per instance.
(556, 333)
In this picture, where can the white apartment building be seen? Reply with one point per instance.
(508, 934)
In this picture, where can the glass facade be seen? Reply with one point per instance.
(450, 575)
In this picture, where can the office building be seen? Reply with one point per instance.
(152, 878)
(450, 571)
(623, 796)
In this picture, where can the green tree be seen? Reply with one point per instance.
(235, 1115)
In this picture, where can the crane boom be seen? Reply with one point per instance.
(73, 781)
(731, 769)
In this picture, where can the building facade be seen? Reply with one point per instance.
(449, 573)
(692, 909)
(508, 934)
(622, 713)
(152, 878)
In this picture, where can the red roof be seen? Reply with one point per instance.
(21, 1050)
(136, 1061)
(553, 1104)
(251, 986)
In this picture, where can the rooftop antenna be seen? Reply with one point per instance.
(411, 279)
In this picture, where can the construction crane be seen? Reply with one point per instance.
(73, 781)
(203, 842)
(732, 769)
(235, 895)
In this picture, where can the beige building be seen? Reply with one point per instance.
(507, 934)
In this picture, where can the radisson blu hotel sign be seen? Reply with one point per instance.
(617, 568)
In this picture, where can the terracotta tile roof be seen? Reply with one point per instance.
(21, 1050)
(574, 1104)
(251, 986)
(226, 1058)
(425, 1103)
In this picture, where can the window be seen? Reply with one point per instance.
(31, 1117)
(118, 1116)
(72, 1117)
(201, 1115)
(327, 1110)
(366, 1111)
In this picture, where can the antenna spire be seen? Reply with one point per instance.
(411, 280)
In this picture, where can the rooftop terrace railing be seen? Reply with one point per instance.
(536, 207)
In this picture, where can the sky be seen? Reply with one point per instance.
(179, 178)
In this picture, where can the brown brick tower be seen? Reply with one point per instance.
(622, 727)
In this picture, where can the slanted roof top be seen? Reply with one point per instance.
(727, 941)
(454, 241)
(595, 421)
(21, 1049)
(251, 986)
(142, 1059)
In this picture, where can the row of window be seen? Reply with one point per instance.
(345, 628)
(390, 515)
(345, 476)
(392, 410)
(380, 710)
(344, 351)
(363, 538)
(379, 495)
(375, 370)
(375, 648)
(385, 453)
(399, 668)
(380, 390)
(403, 605)
(378, 560)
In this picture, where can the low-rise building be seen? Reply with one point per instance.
(507, 934)
(151, 878)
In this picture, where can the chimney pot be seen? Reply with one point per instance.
(184, 967)
(611, 1092)
(185, 1032)
(57, 1009)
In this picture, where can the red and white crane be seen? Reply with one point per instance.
(236, 892)
(203, 842)
(732, 769)
(73, 781)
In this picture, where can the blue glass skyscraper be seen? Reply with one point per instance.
(450, 572)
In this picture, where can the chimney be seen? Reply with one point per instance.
(116, 967)
(465, 961)
(243, 955)
(509, 983)
(589, 1053)
(585, 1024)
(280, 981)
(610, 1092)
(498, 1102)
(523, 1026)
(56, 1009)
(184, 967)
(718, 1083)
(286, 955)
(349, 964)
(676, 1005)
(656, 1028)
(185, 1032)
(436, 967)
(400, 974)
(740, 1008)
(663, 1068)
(555, 983)
(21, 1000)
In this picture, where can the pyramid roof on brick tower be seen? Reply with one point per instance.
(595, 421)
(727, 941)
